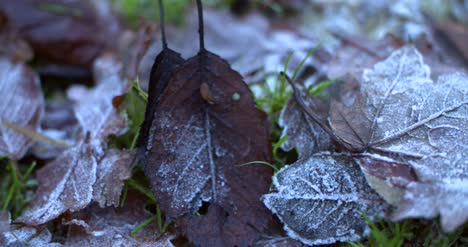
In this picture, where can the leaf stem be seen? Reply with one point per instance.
(200, 25)
(161, 17)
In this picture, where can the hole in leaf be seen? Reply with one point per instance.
(204, 208)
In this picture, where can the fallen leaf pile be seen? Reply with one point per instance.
(384, 137)
(407, 133)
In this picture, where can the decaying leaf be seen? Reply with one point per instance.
(321, 199)
(114, 168)
(197, 148)
(65, 184)
(97, 226)
(14, 235)
(163, 67)
(303, 132)
(86, 171)
(22, 104)
(70, 32)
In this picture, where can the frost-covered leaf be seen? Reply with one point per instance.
(415, 120)
(94, 109)
(86, 171)
(97, 226)
(65, 184)
(161, 72)
(320, 199)
(301, 131)
(114, 168)
(205, 126)
(22, 104)
(13, 235)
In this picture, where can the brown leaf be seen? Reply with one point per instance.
(93, 108)
(70, 32)
(302, 131)
(67, 183)
(164, 65)
(13, 45)
(97, 226)
(22, 104)
(456, 35)
(197, 147)
(386, 176)
(114, 168)
(14, 235)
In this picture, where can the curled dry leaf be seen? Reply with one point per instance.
(70, 32)
(22, 104)
(13, 235)
(320, 199)
(97, 226)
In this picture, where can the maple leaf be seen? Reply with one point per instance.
(95, 226)
(320, 199)
(417, 124)
(425, 121)
(164, 65)
(206, 125)
(22, 105)
(13, 235)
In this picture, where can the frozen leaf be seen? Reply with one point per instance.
(405, 115)
(65, 184)
(94, 110)
(114, 168)
(303, 132)
(13, 235)
(320, 199)
(71, 32)
(22, 104)
(5, 220)
(206, 126)
(68, 183)
(97, 226)
(163, 67)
